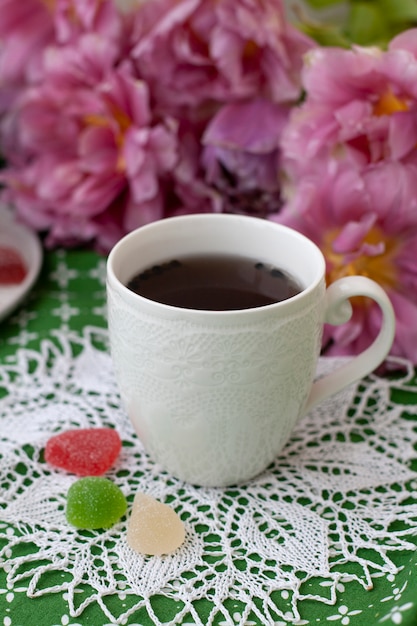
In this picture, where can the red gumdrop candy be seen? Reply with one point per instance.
(85, 451)
(12, 267)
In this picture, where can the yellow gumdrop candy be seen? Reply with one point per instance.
(154, 528)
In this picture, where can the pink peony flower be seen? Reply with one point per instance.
(88, 160)
(241, 155)
(365, 223)
(73, 18)
(28, 28)
(25, 29)
(197, 52)
(349, 153)
(361, 107)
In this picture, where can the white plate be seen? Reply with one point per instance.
(14, 235)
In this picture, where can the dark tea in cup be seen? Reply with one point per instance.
(214, 283)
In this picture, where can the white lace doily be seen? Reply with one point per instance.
(323, 512)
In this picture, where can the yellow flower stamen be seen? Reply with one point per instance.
(72, 12)
(96, 119)
(250, 50)
(123, 122)
(50, 5)
(380, 267)
(389, 103)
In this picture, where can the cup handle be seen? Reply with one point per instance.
(338, 310)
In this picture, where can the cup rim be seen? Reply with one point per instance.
(113, 281)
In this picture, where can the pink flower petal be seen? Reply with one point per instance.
(97, 150)
(402, 134)
(352, 234)
(254, 126)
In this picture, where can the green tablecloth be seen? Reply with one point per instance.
(68, 300)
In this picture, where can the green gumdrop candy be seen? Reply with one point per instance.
(94, 502)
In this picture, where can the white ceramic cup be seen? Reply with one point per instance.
(214, 395)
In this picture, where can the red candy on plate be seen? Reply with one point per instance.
(84, 451)
(12, 268)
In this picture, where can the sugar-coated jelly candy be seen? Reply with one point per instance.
(154, 528)
(12, 268)
(94, 502)
(85, 451)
